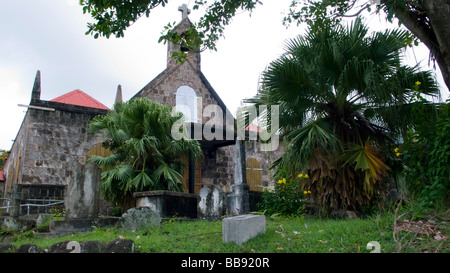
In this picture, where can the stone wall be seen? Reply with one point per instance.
(265, 158)
(51, 140)
(163, 88)
(12, 170)
(218, 168)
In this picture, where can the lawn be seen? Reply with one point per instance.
(283, 235)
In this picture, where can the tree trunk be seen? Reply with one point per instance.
(439, 13)
(434, 32)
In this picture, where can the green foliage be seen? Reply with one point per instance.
(3, 157)
(114, 17)
(287, 198)
(319, 14)
(426, 153)
(343, 95)
(283, 234)
(144, 155)
(58, 212)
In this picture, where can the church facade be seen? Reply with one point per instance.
(53, 138)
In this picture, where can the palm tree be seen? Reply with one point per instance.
(342, 93)
(144, 154)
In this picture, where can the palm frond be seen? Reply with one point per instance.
(105, 161)
(364, 159)
(141, 181)
(170, 175)
(315, 135)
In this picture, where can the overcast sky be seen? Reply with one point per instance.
(49, 35)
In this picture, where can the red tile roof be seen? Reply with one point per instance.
(78, 97)
(253, 128)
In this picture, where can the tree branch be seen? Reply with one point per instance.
(413, 22)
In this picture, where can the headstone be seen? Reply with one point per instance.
(238, 199)
(240, 229)
(83, 192)
(140, 219)
(211, 203)
(203, 202)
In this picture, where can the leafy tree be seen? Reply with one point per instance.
(427, 20)
(144, 154)
(425, 154)
(3, 157)
(113, 17)
(343, 94)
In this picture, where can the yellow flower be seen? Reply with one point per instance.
(418, 83)
(415, 139)
(280, 181)
(396, 150)
(397, 154)
(305, 176)
(300, 175)
(306, 192)
(284, 180)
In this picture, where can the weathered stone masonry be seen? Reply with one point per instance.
(52, 140)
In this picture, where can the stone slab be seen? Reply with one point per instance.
(81, 225)
(167, 203)
(240, 229)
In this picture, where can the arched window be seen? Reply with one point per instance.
(186, 103)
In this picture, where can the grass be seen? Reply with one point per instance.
(283, 235)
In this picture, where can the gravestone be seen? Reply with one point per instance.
(211, 203)
(144, 218)
(238, 199)
(240, 229)
(82, 200)
(83, 192)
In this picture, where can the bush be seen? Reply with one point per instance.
(287, 197)
(426, 153)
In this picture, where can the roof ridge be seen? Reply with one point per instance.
(80, 98)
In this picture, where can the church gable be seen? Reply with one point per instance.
(163, 89)
(177, 76)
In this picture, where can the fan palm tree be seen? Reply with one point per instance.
(144, 154)
(342, 93)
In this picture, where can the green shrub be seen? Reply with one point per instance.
(426, 155)
(287, 197)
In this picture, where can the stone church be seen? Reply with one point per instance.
(53, 140)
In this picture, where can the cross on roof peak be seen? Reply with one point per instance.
(184, 11)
